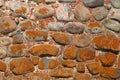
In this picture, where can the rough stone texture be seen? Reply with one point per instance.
(114, 14)
(4, 41)
(43, 11)
(62, 72)
(85, 54)
(82, 40)
(17, 50)
(119, 62)
(17, 39)
(94, 28)
(3, 52)
(74, 28)
(67, 0)
(69, 63)
(108, 42)
(64, 12)
(56, 26)
(3, 66)
(7, 25)
(81, 67)
(111, 25)
(115, 3)
(110, 72)
(79, 76)
(94, 67)
(35, 60)
(100, 13)
(82, 13)
(44, 50)
(62, 38)
(70, 52)
(36, 35)
(21, 66)
(53, 63)
(107, 59)
(93, 3)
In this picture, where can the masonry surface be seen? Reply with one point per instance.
(59, 39)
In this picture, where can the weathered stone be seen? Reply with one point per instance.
(64, 12)
(67, 0)
(44, 50)
(50, 1)
(17, 50)
(107, 42)
(26, 24)
(3, 66)
(86, 54)
(15, 77)
(1, 2)
(93, 3)
(111, 25)
(3, 52)
(61, 38)
(36, 35)
(94, 67)
(114, 14)
(82, 13)
(110, 72)
(94, 28)
(70, 52)
(35, 60)
(21, 66)
(56, 26)
(115, 3)
(74, 28)
(69, 63)
(17, 39)
(19, 9)
(43, 11)
(118, 62)
(81, 67)
(37, 1)
(82, 40)
(61, 72)
(100, 13)
(7, 25)
(46, 63)
(108, 58)
(79, 76)
(100, 78)
(5, 41)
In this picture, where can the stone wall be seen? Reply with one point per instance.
(59, 39)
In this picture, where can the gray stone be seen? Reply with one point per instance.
(37, 1)
(43, 11)
(115, 3)
(95, 30)
(19, 9)
(114, 14)
(7, 25)
(5, 41)
(67, 0)
(50, 1)
(82, 40)
(64, 12)
(74, 28)
(1, 2)
(17, 39)
(100, 13)
(82, 13)
(111, 24)
(56, 26)
(93, 3)
(3, 52)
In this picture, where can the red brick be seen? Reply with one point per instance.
(44, 50)
(94, 67)
(108, 58)
(61, 38)
(81, 67)
(110, 72)
(3, 66)
(21, 66)
(70, 52)
(61, 72)
(35, 60)
(108, 42)
(69, 63)
(81, 76)
(17, 50)
(36, 35)
(86, 54)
